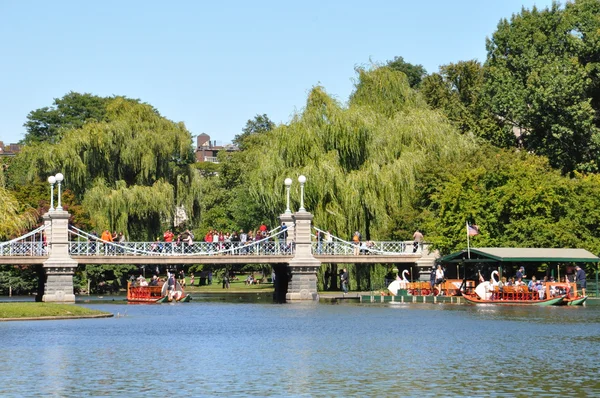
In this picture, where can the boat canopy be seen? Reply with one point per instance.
(520, 254)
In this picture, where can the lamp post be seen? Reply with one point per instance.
(288, 184)
(51, 180)
(301, 180)
(59, 177)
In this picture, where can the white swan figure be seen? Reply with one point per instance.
(394, 287)
(404, 281)
(493, 280)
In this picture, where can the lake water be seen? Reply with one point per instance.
(207, 348)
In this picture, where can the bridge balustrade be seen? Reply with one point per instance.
(341, 248)
(263, 248)
(23, 249)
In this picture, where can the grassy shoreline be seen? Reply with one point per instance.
(23, 311)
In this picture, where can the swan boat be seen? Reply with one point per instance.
(155, 294)
(569, 290)
(450, 287)
(490, 293)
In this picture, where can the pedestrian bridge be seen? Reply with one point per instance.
(86, 248)
(61, 247)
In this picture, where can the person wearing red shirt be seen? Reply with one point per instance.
(168, 238)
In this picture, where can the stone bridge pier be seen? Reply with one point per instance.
(303, 267)
(59, 267)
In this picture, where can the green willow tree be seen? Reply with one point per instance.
(16, 218)
(361, 161)
(130, 172)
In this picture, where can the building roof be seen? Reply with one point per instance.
(521, 254)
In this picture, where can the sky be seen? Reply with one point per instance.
(214, 65)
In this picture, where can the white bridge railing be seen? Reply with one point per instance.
(85, 244)
(339, 247)
(30, 244)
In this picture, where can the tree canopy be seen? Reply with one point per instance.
(71, 111)
(414, 73)
(129, 170)
(541, 76)
(260, 124)
(361, 161)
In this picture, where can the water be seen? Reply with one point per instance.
(254, 349)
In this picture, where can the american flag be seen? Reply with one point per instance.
(472, 230)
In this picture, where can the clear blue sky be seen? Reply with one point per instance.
(215, 64)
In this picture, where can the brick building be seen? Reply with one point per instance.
(206, 150)
(9, 150)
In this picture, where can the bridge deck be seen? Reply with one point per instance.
(220, 259)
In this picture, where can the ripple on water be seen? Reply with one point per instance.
(247, 349)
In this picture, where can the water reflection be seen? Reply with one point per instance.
(254, 349)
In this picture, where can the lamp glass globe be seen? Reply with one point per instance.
(59, 177)
(288, 182)
(51, 179)
(302, 179)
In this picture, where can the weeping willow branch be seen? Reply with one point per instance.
(362, 162)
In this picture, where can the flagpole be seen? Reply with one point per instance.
(468, 246)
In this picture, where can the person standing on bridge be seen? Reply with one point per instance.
(328, 242)
(356, 241)
(107, 239)
(106, 236)
(417, 241)
(168, 238)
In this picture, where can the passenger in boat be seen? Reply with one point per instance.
(432, 280)
(520, 275)
(502, 283)
(541, 289)
(154, 281)
(181, 278)
(439, 278)
(532, 283)
(171, 286)
(142, 281)
(580, 278)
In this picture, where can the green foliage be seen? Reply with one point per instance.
(361, 162)
(226, 202)
(414, 73)
(457, 91)
(45, 125)
(541, 76)
(107, 278)
(130, 170)
(14, 221)
(21, 279)
(516, 199)
(260, 124)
